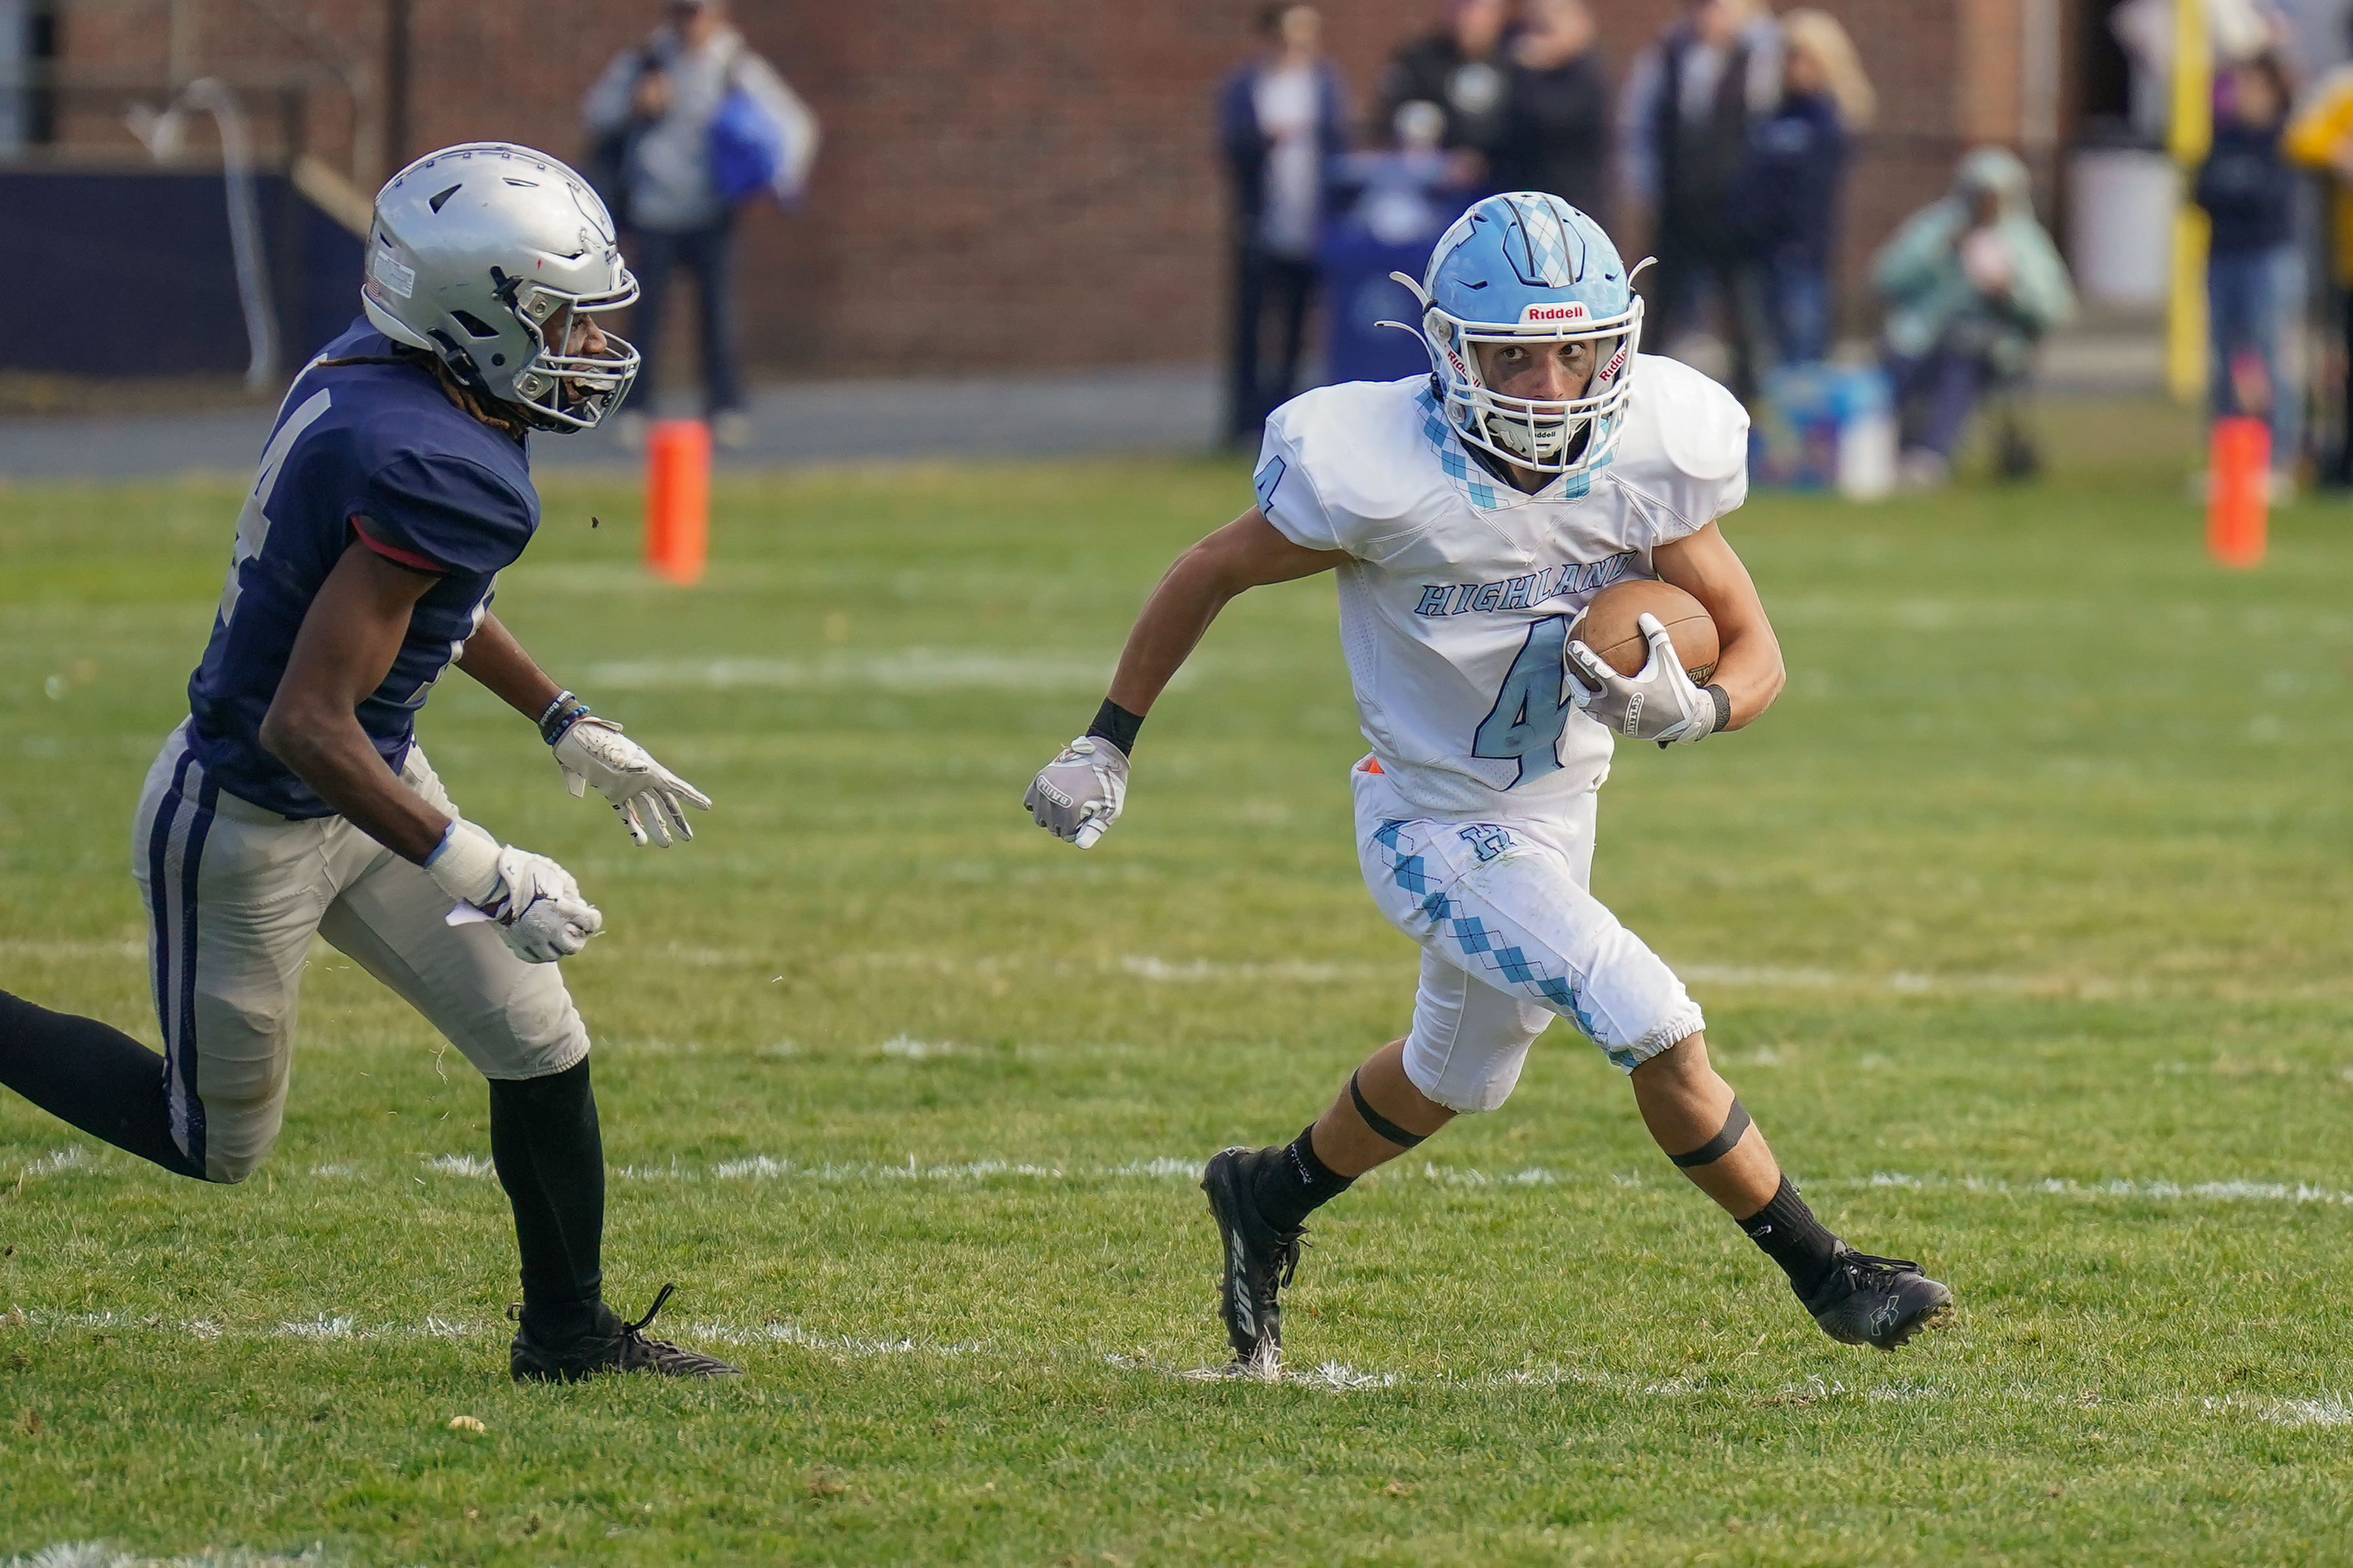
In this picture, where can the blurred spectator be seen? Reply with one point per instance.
(1554, 135)
(1282, 121)
(1785, 200)
(2236, 30)
(1683, 126)
(1459, 67)
(1405, 198)
(1971, 282)
(2320, 136)
(2254, 276)
(653, 113)
(1405, 194)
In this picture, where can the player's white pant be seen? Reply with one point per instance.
(1510, 938)
(234, 894)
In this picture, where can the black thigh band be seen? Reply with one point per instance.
(1717, 1147)
(1379, 1123)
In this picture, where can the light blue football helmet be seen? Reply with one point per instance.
(1526, 267)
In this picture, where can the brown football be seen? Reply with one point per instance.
(1608, 627)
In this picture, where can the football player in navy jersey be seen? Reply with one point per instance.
(294, 800)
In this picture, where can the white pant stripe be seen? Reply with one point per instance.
(175, 839)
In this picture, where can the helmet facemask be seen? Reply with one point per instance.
(1546, 436)
(559, 385)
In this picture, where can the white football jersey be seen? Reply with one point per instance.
(1455, 607)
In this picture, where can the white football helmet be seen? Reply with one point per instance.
(492, 257)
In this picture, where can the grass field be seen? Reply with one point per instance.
(2020, 922)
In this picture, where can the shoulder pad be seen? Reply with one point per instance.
(1683, 420)
(1362, 445)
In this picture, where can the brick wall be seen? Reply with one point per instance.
(1004, 183)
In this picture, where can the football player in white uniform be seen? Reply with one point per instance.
(1469, 516)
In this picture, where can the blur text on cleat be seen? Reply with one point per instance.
(1259, 1263)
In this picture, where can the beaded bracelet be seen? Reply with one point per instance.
(560, 715)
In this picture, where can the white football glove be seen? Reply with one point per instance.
(534, 901)
(646, 793)
(1078, 795)
(1661, 703)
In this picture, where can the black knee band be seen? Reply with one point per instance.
(1717, 1147)
(1379, 1123)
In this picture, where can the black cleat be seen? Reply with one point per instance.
(1260, 1262)
(611, 1346)
(1881, 1302)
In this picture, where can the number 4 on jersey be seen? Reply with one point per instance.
(1534, 706)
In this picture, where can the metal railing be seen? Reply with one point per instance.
(163, 132)
(87, 118)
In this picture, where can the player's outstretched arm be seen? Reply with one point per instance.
(1079, 794)
(350, 637)
(1748, 658)
(646, 795)
(1246, 553)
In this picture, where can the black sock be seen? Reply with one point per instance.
(550, 1155)
(1791, 1237)
(93, 1075)
(1290, 1182)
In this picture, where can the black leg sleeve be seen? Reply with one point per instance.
(91, 1075)
(550, 1155)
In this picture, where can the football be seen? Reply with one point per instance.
(1608, 627)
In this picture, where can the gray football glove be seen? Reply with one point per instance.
(644, 793)
(1658, 703)
(1078, 795)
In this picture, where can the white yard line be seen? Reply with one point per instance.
(2331, 1411)
(103, 1554)
(837, 1344)
(1159, 969)
(342, 1327)
(2052, 1186)
(1338, 1377)
(1187, 1169)
(49, 1164)
(1203, 970)
(895, 672)
(913, 669)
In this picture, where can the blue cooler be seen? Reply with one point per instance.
(1821, 426)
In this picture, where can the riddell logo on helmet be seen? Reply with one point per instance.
(1571, 311)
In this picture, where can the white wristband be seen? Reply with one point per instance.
(466, 864)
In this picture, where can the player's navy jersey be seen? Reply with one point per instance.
(376, 455)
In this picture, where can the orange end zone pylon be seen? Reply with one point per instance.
(2238, 465)
(678, 499)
